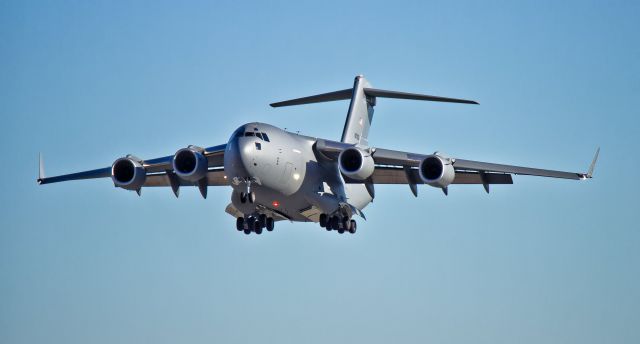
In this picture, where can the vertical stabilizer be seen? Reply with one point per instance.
(356, 127)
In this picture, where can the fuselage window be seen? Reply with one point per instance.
(265, 137)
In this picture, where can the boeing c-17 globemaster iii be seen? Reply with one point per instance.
(278, 175)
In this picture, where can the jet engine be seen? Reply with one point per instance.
(356, 163)
(190, 163)
(437, 171)
(128, 173)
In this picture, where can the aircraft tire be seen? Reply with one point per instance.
(323, 220)
(334, 223)
(240, 223)
(270, 223)
(353, 227)
(346, 224)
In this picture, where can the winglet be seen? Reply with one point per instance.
(40, 169)
(589, 173)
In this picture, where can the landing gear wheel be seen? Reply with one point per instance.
(354, 226)
(334, 223)
(252, 197)
(250, 221)
(256, 227)
(323, 220)
(270, 224)
(262, 218)
(247, 231)
(243, 197)
(346, 224)
(240, 223)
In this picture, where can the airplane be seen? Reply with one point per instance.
(276, 175)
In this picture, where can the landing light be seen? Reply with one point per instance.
(296, 176)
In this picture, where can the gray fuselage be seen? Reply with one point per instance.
(285, 174)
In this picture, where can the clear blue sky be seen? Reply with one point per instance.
(541, 261)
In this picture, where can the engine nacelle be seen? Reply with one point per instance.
(437, 171)
(356, 163)
(190, 164)
(128, 173)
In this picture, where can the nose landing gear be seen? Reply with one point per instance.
(248, 195)
(244, 197)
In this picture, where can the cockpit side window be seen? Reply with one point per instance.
(259, 135)
(265, 137)
(249, 133)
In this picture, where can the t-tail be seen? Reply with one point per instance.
(363, 100)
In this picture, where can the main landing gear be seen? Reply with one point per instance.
(338, 223)
(255, 224)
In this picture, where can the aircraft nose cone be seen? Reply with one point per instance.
(237, 158)
(246, 152)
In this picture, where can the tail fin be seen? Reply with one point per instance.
(363, 99)
(360, 115)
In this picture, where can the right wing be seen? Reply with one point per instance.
(159, 172)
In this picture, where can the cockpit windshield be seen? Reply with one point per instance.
(261, 136)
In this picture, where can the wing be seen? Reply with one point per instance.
(397, 167)
(158, 172)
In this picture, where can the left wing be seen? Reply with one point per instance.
(398, 167)
(157, 172)
(390, 157)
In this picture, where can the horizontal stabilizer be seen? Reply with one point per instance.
(370, 93)
(373, 92)
(318, 98)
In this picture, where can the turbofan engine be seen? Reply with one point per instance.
(356, 163)
(190, 163)
(128, 173)
(437, 171)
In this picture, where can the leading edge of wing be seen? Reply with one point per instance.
(461, 164)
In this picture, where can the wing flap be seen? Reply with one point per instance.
(214, 178)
